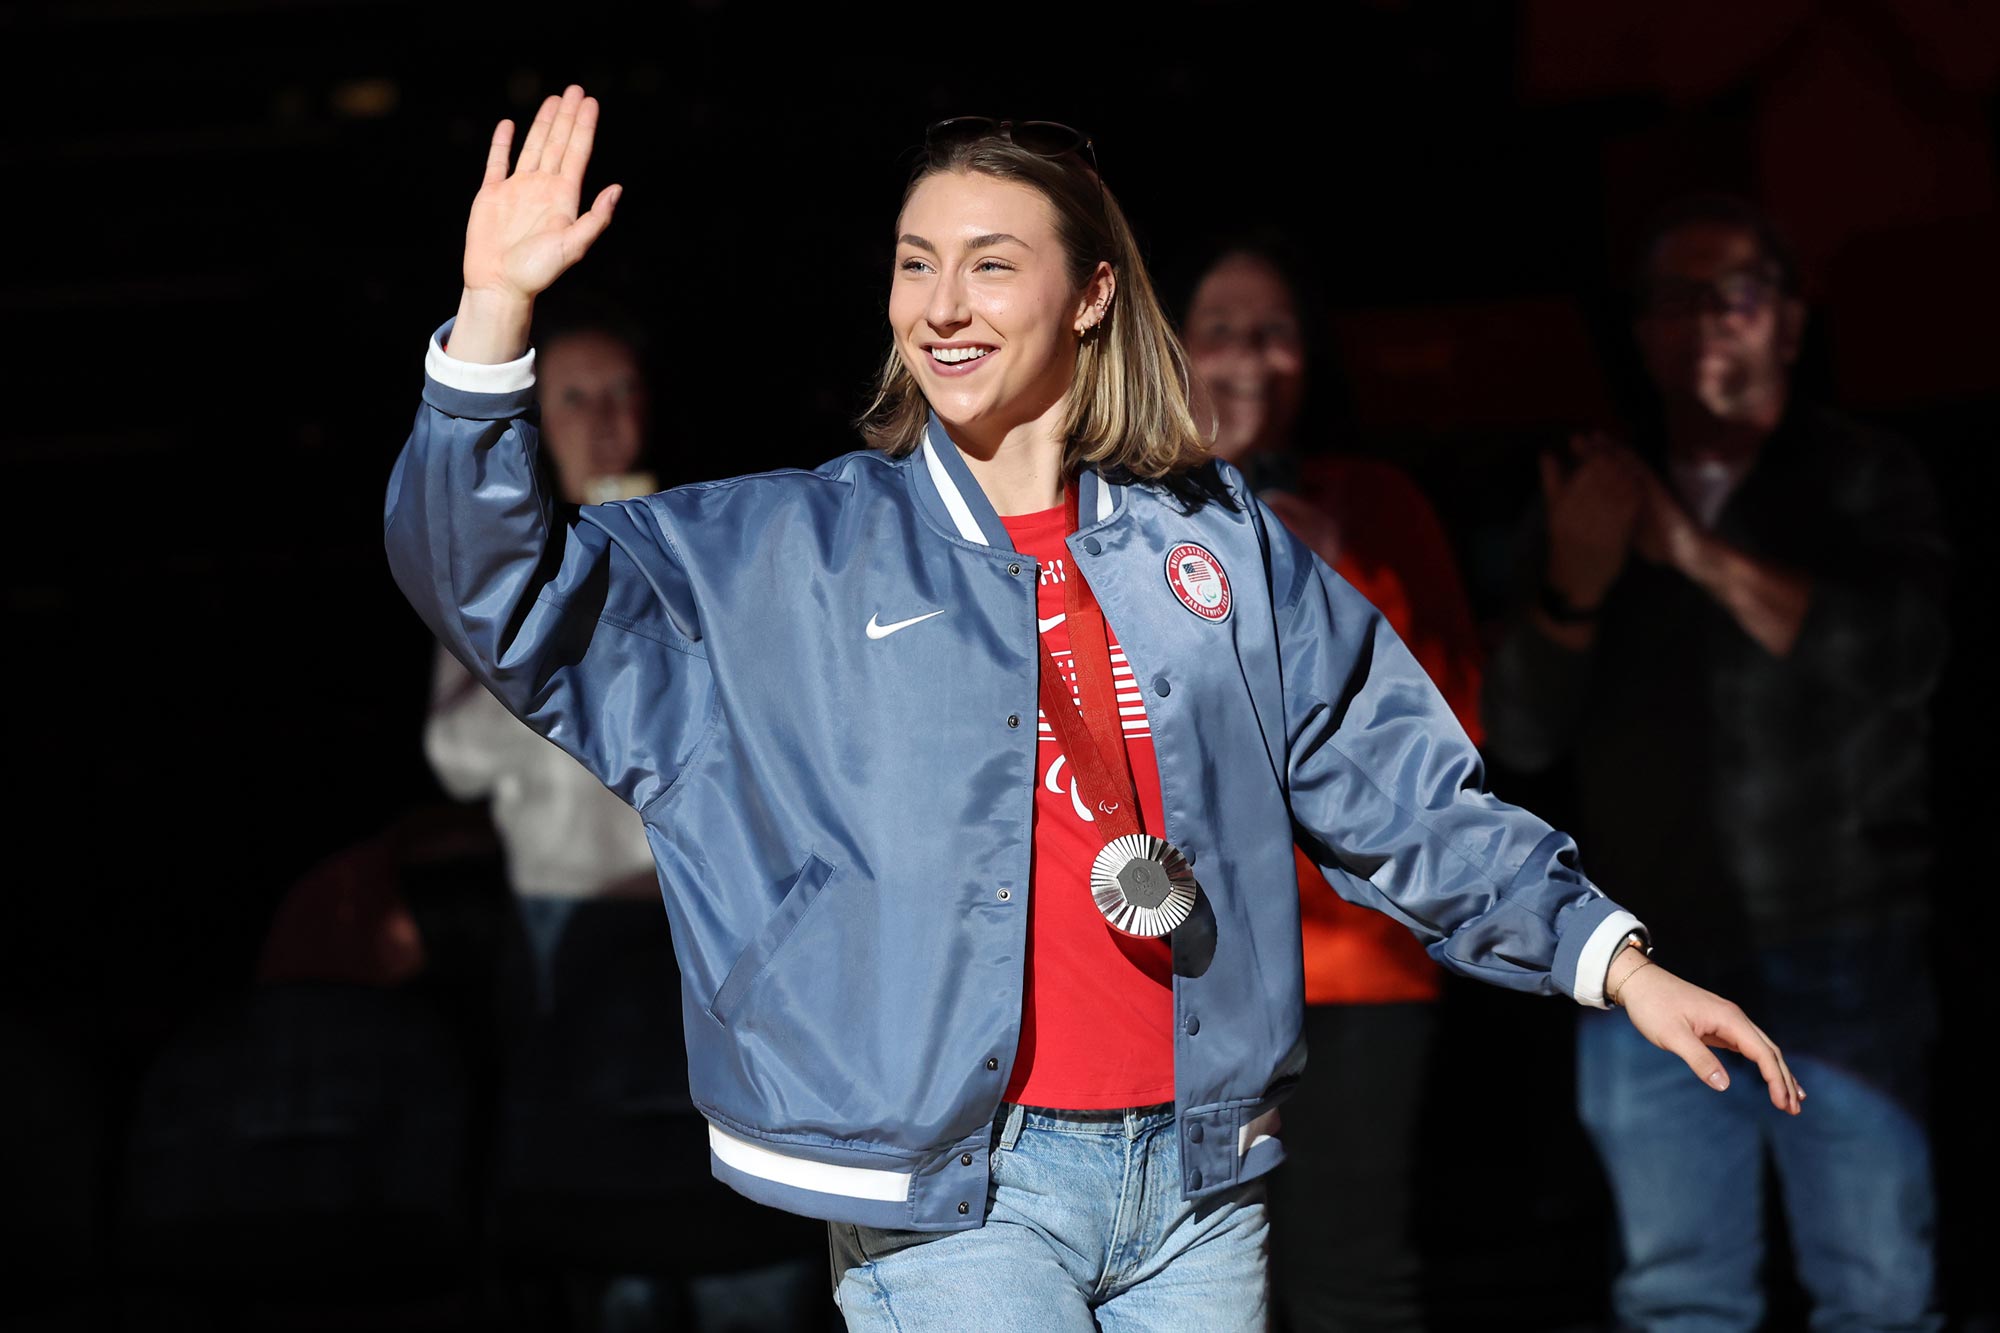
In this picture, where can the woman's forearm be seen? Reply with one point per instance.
(492, 327)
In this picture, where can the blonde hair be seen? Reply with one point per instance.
(1128, 403)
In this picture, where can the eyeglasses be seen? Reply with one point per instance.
(1043, 138)
(1744, 294)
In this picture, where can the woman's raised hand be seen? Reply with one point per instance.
(524, 230)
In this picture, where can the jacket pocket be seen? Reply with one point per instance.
(802, 893)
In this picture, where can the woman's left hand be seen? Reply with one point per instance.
(1681, 1017)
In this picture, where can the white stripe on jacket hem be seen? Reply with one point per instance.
(864, 1182)
(853, 1182)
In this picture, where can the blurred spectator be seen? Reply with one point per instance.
(1737, 629)
(1341, 1205)
(603, 1161)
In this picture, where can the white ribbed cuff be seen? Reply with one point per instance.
(1594, 963)
(475, 377)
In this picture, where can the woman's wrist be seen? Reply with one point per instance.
(492, 327)
(1631, 957)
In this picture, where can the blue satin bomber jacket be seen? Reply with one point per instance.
(841, 817)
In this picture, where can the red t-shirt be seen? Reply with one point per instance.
(1097, 1014)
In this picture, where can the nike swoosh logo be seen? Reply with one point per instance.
(876, 631)
(1044, 626)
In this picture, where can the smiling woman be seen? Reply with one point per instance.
(951, 980)
(1021, 307)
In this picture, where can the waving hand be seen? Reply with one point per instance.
(525, 231)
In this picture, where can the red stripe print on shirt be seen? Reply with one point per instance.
(1131, 707)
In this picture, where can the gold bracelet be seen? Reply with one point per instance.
(1628, 981)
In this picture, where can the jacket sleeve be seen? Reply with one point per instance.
(581, 624)
(1441, 632)
(1387, 797)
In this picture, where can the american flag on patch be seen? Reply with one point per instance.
(1198, 581)
(1195, 570)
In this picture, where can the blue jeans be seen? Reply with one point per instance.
(1686, 1167)
(1085, 1229)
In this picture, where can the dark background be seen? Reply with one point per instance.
(233, 224)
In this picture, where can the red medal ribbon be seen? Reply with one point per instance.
(1096, 749)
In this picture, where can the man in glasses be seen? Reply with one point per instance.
(1737, 626)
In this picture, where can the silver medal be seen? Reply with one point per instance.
(1142, 885)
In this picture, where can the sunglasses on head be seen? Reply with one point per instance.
(1043, 138)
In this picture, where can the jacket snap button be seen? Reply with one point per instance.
(1014, 568)
(1092, 545)
(1161, 687)
(965, 1159)
(1193, 1024)
(965, 1208)
(1003, 895)
(991, 1063)
(1194, 1180)
(1013, 720)
(1194, 1133)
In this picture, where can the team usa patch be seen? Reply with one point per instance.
(1197, 579)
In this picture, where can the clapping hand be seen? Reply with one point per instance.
(1665, 534)
(1593, 510)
